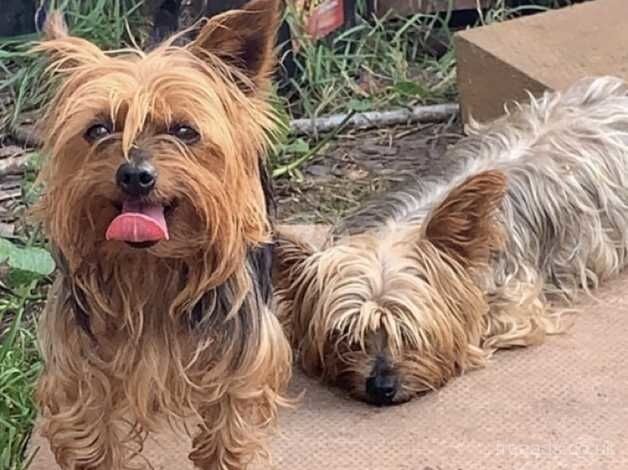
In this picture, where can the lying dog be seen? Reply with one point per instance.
(429, 281)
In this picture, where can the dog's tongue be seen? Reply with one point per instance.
(139, 223)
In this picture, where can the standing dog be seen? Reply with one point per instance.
(429, 281)
(157, 203)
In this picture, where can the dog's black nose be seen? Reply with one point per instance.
(136, 179)
(381, 389)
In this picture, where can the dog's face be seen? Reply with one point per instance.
(158, 154)
(390, 316)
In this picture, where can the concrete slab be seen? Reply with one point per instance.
(559, 406)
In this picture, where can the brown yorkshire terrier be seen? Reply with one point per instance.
(157, 205)
(429, 281)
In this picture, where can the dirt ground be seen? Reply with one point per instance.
(362, 163)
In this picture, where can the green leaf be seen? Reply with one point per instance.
(17, 277)
(409, 89)
(34, 161)
(297, 146)
(30, 259)
(6, 249)
(360, 106)
(31, 192)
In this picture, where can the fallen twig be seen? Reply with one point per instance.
(26, 135)
(13, 160)
(433, 113)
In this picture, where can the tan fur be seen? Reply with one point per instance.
(141, 363)
(428, 281)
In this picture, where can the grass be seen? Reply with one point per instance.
(19, 367)
(105, 22)
(24, 269)
(383, 62)
(377, 63)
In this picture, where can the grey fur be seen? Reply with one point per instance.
(566, 208)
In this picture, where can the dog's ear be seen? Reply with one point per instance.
(65, 51)
(289, 255)
(293, 268)
(464, 225)
(244, 39)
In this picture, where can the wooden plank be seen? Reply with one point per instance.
(550, 50)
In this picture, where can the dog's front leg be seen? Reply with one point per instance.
(79, 404)
(233, 433)
(77, 421)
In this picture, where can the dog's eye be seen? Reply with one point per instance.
(97, 132)
(185, 133)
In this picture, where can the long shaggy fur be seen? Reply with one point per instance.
(135, 338)
(429, 281)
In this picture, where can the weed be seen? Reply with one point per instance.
(105, 22)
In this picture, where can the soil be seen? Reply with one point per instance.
(360, 164)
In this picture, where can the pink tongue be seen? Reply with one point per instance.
(139, 223)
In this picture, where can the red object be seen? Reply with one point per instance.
(326, 18)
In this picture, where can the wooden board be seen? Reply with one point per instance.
(550, 50)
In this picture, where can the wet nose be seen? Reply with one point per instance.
(136, 179)
(381, 389)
